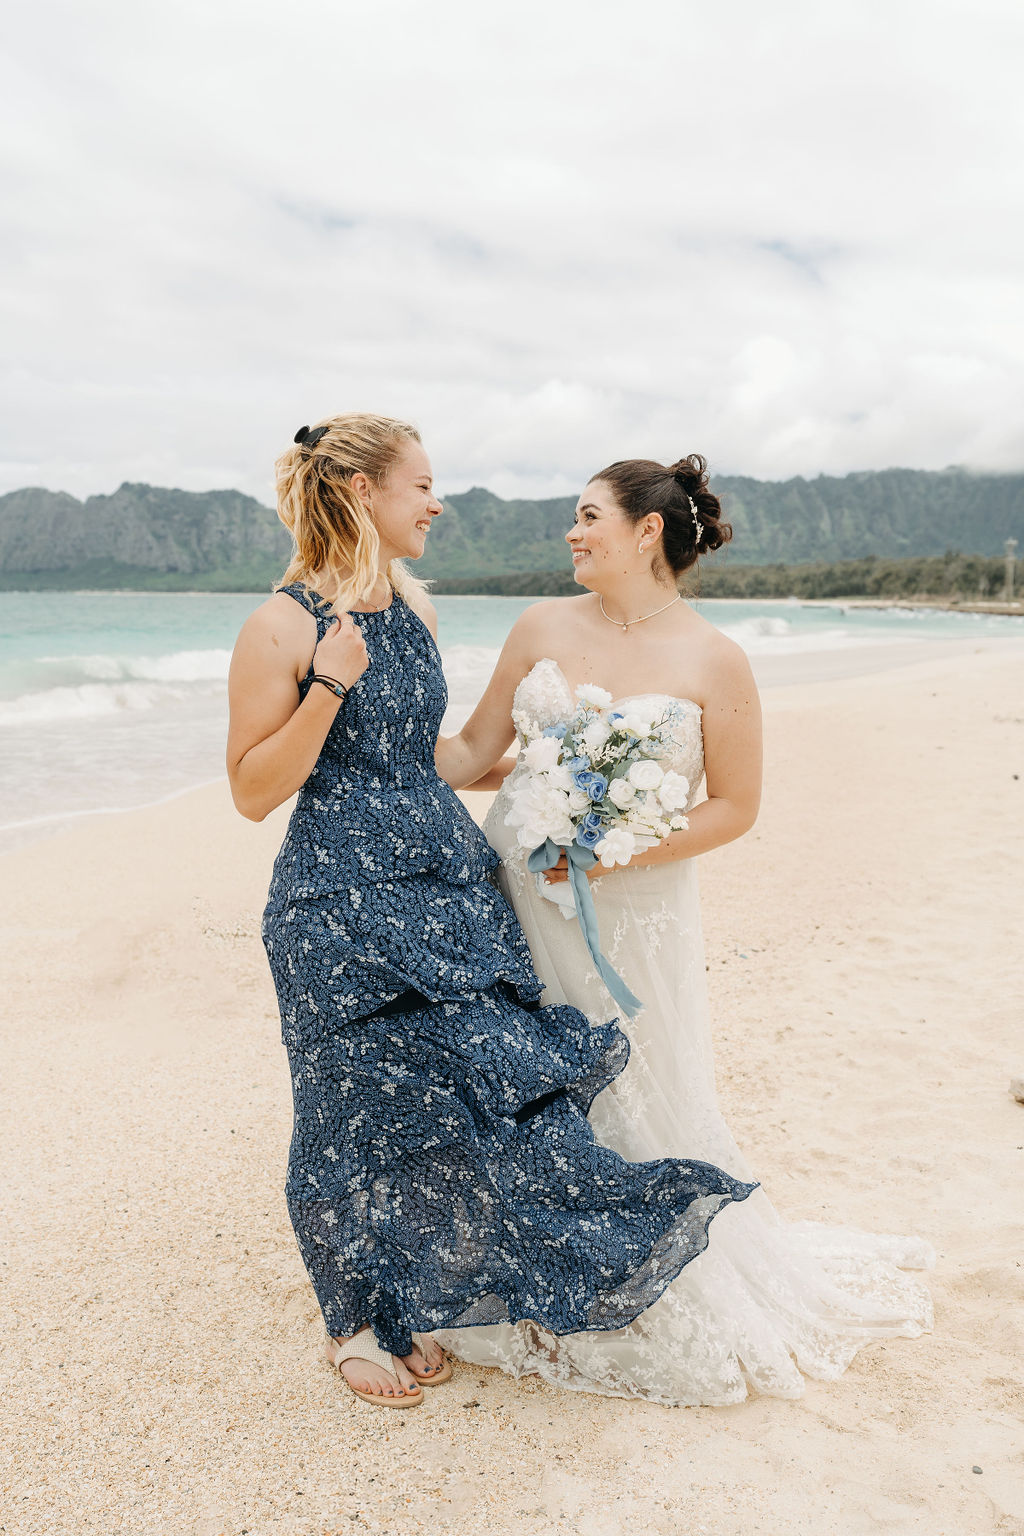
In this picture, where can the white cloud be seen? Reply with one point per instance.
(783, 236)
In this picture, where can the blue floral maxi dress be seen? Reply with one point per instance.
(442, 1172)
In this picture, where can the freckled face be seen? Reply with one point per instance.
(405, 505)
(602, 540)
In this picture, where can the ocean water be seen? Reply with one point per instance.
(113, 700)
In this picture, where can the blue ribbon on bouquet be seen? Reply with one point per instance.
(580, 860)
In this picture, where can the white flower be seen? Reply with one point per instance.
(645, 774)
(596, 734)
(542, 753)
(679, 823)
(540, 810)
(635, 723)
(589, 693)
(579, 800)
(674, 790)
(621, 792)
(616, 847)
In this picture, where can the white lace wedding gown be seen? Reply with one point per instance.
(768, 1301)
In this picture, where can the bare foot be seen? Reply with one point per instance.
(367, 1377)
(427, 1357)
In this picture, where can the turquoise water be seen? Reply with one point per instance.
(112, 700)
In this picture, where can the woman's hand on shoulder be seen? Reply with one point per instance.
(342, 653)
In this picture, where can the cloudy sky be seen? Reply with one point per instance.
(786, 235)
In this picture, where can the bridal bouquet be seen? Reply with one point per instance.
(595, 787)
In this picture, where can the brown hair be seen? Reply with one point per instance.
(332, 527)
(679, 491)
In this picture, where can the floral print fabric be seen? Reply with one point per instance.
(442, 1171)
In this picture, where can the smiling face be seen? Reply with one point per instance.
(603, 541)
(404, 506)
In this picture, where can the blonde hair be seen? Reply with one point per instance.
(332, 528)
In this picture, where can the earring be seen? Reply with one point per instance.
(640, 547)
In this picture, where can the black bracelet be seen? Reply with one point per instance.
(331, 683)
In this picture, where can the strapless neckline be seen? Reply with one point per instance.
(626, 698)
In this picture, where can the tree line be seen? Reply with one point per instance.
(949, 578)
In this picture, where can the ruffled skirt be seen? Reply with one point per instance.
(442, 1171)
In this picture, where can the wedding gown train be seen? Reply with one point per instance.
(769, 1302)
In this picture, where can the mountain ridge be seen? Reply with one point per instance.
(144, 536)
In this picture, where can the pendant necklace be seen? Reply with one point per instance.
(643, 617)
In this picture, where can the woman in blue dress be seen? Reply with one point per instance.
(442, 1172)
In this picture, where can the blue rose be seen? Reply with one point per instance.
(555, 730)
(596, 786)
(588, 836)
(592, 822)
(578, 765)
(593, 784)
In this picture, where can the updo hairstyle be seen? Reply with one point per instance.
(335, 539)
(692, 514)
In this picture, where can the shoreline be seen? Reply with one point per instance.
(1011, 610)
(998, 608)
(773, 672)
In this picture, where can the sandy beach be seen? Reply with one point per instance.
(162, 1351)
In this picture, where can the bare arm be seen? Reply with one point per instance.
(732, 766)
(495, 777)
(470, 757)
(273, 740)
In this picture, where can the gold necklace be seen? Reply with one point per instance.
(643, 617)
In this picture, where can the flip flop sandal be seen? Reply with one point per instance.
(442, 1374)
(363, 1346)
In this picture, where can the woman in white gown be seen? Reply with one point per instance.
(769, 1301)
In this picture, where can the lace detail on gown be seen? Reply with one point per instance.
(769, 1302)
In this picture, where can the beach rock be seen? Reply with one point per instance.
(1017, 1088)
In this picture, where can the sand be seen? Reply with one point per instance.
(162, 1350)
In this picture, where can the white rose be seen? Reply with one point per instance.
(596, 734)
(645, 774)
(621, 792)
(579, 800)
(542, 753)
(635, 723)
(559, 777)
(674, 790)
(589, 693)
(549, 819)
(680, 823)
(616, 847)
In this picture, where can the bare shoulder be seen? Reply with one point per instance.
(549, 616)
(423, 608)
(724, 663)
(280, 614)
(280, 627)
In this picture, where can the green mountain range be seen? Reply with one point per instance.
(168, 540)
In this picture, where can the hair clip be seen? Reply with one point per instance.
(307, 438)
